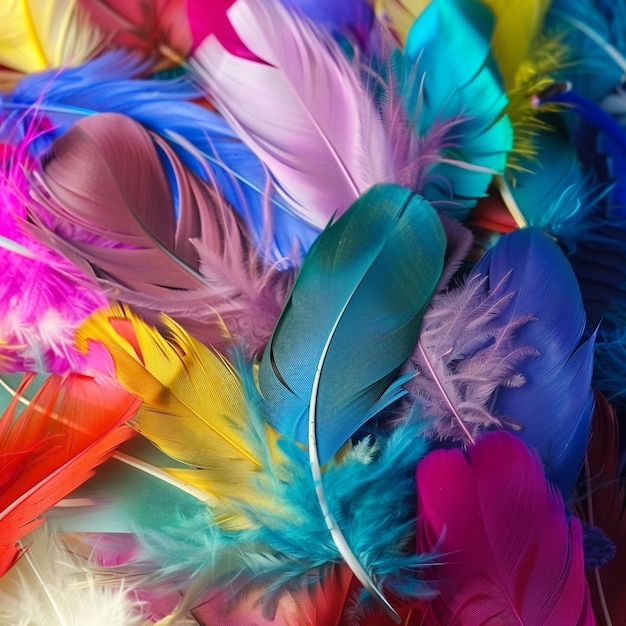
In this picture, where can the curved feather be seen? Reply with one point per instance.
(374, 270)
(509, 554)
(450, 43)
(555, 421)
(310, 122)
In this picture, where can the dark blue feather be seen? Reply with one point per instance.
(556, 421)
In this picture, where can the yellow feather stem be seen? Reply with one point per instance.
(194, 407)
(37, 35)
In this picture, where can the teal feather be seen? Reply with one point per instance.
(450, 45)
(355, 311)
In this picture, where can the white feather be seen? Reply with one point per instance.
(51, 586)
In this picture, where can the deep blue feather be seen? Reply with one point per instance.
(556, 421)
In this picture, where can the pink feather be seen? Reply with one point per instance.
(303, 112)
(509, 553)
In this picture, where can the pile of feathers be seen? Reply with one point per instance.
(312, 312)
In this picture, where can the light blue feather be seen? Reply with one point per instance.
(354, 312)
(456, 78)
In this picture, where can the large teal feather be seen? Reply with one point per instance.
(354, 312)
(450, 45)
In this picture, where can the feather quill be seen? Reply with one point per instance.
(303, 88)
(51, 586)
(53, 446)
(509, 554)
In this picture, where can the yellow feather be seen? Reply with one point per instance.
(194, 408)
(518, 23)
(38, 34)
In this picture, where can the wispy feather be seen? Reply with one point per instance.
(464, 354)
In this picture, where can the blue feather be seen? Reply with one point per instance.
(556, 421)
(594, 32)
(355, 312)
(201, 138)
(450, 46)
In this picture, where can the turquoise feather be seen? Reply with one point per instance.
(359, 299)
(448, 48)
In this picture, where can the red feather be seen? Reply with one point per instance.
(150, 27)
(603, 506)
(70, 426)
(509, 554)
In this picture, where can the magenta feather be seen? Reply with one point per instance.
(303, 111)
(509, 553)
(114, 188)
(43, 296)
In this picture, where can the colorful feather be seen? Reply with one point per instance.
(321, 166)
(449, 43)
(508, 552)
(70, 426)
(555, 421)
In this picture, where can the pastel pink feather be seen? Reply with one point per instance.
(303, 112)
(509, 553)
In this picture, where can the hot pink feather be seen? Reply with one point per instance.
(508, 552)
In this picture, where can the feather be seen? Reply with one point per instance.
(36, 37)
(50, 585)
(390, 242)
(150, 258)
(448, 88)
(508, 552)
(153, 28)
(556, 421)
(43, 296)
(205, 20)
(50, 448)
(518, 24)
(601, 504)
(305, 86)
(593, 33)
(464, 354)
(216, 429)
